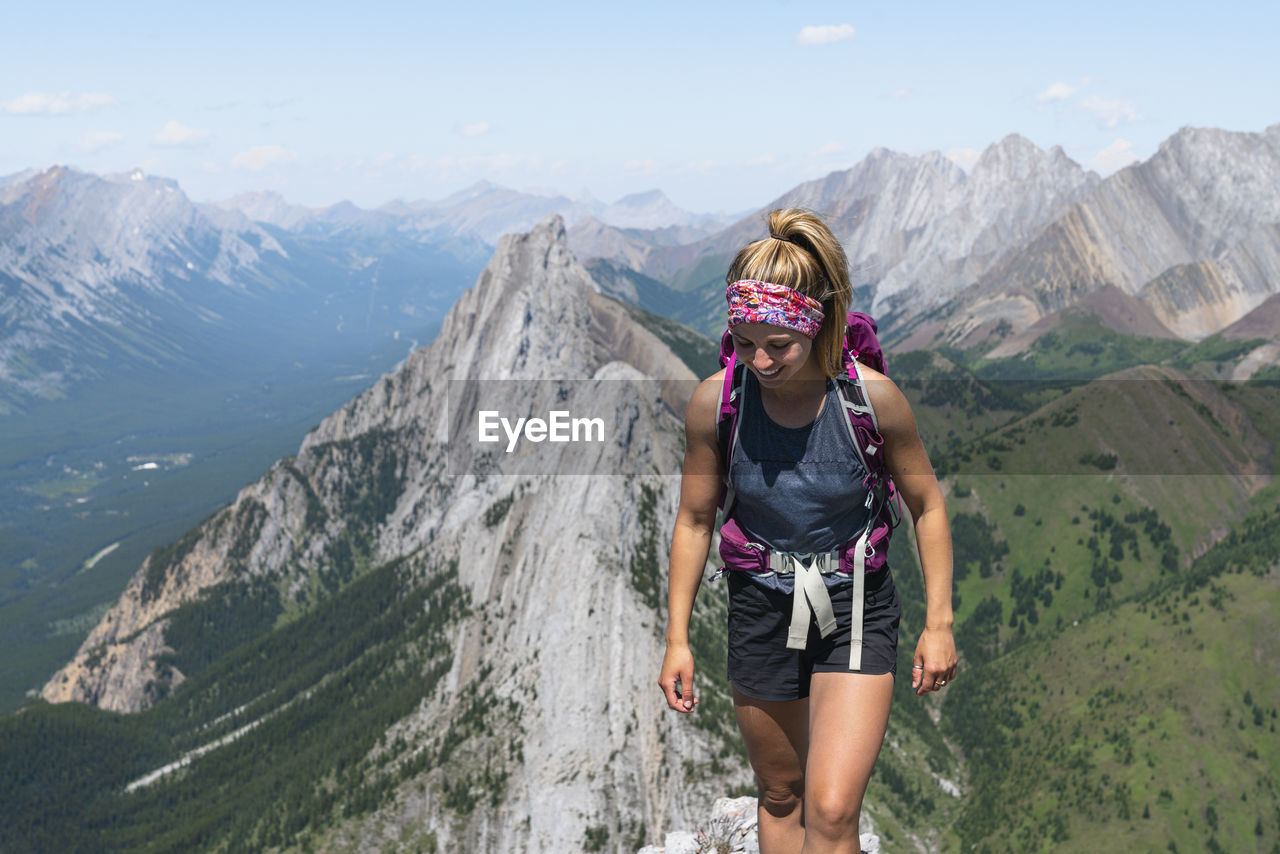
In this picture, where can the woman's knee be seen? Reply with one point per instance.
(832, 813)
(781, 797)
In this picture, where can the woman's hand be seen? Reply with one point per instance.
(935, 660)
(677, 667)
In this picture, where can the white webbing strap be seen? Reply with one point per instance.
(859, 588)
(810, 595)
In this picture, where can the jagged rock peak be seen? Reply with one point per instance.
(521, 317)
(1061, 157)
(550, 227)
(1016, 158)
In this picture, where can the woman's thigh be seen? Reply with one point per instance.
(776, 735)
(848, 714)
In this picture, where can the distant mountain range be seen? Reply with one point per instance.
(125, 271)
(484, 210)
(1186, 243)
(109, 276)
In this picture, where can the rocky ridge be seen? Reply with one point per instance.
(564, 542)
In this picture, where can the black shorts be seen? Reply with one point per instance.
(764, 668)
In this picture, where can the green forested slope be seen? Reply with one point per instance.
(302, 708)
(1148, 726)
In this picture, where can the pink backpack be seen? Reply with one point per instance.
(870, 549)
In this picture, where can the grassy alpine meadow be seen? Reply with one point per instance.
(1148, 726)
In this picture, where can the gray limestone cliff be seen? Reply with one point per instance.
(1191, 232)
(562, 572)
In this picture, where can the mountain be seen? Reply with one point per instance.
(1110, 306)
(484, 212)
(488, 210)
(1191, 232)
(1258, 332)
(268, 207)
(93, 265)
(574, 737)
(916, 229)
(894, 212)
(945, 257)
(105, 277)
(652, 210)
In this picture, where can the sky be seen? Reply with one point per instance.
(723, 106)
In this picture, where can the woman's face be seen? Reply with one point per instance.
(775, 354)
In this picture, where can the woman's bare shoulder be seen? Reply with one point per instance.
(890, 405)
(704, 405)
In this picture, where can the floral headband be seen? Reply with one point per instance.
(751, 301)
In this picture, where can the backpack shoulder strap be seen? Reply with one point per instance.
(731, 394)
(864, 403)
(860, 421)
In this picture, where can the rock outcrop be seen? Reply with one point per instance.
(731, 829)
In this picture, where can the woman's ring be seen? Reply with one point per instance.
(917, 667)
(941, 682)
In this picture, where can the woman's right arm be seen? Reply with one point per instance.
(700, 484)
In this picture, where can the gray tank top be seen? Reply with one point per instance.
(799, 489)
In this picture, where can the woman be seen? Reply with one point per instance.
(811, 715)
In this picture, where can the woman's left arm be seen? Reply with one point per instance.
(908, 464)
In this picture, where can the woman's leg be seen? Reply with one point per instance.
(848, 713)
(777, 740)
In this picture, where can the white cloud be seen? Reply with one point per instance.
(261, 156)
(827, 150)
(901, 94)
(644, 165)
(177, 135)
(98, 140)
(963, 157)
(761, 160)
(701, 166)
(41, 104)
(1117, 155)
(474, 129)
(1110, 113)
(824, 34)
(1057, 92)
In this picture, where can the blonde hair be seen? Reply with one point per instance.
(802, 253)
